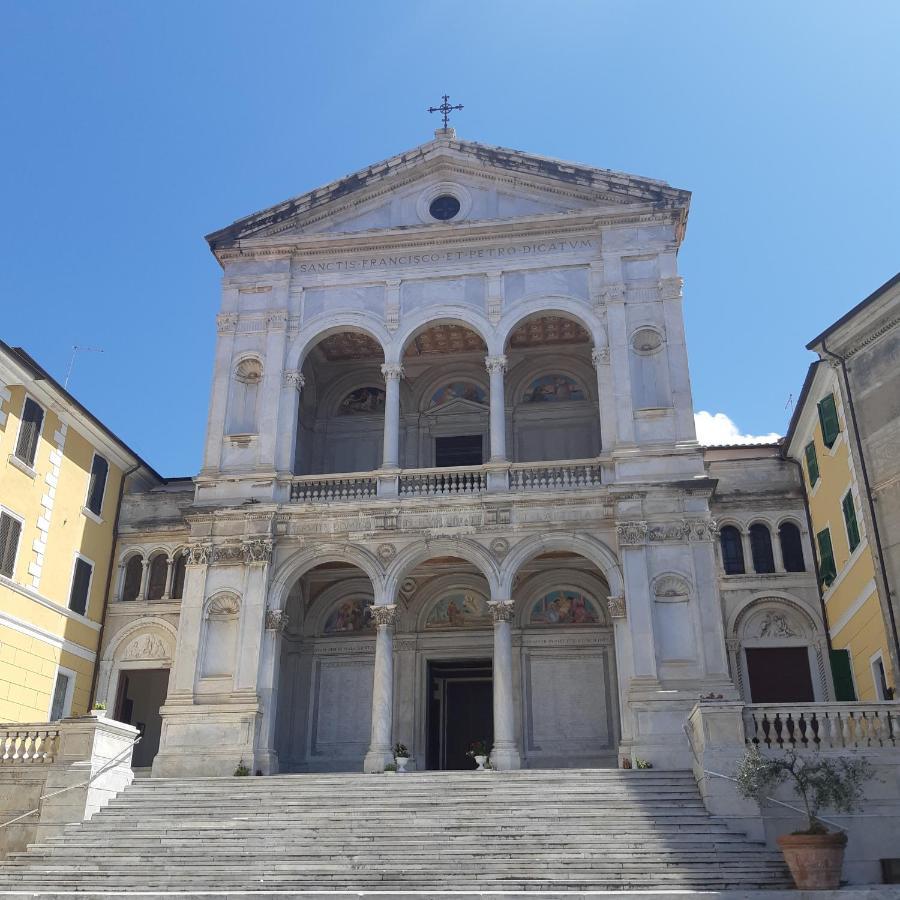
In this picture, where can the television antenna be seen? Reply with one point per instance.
(75, 350)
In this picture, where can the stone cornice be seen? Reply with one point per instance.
(581, 222)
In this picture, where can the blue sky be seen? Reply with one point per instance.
(133, 129)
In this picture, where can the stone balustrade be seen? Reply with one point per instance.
(823, 726)
(555, 476)
(559, 475)
(443, 482)
(331, 488)
(55, 773)
(28, 744)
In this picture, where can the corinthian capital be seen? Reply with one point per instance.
(502, 610)
(495, 364)
(600, 356)
(383, 615)
(392, 371)
(294, 378)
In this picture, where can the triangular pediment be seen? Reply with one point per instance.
(457, 407)
(488, 183)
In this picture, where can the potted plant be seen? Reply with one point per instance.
(98, 710)
(479, 751)
(814, 854)
(401, 757)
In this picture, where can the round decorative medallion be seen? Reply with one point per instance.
(386, 552)
(499, 547)
(444, 207)
(407, 586)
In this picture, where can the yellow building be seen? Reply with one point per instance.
(841, 433)
(61, 480)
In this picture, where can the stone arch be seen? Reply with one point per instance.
(453, 314)
(584, 545)
(117, 657)
(528, 370)
(427, 386)
(565, 307)
(425, 600)
(322, 327)
(299, 563)
(787, 613)
(420, 551)
(321, 609)
(545, 582)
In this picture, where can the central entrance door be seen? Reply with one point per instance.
(460, 711)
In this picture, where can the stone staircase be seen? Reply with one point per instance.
(570, 830)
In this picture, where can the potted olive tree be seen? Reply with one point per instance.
(814, 854)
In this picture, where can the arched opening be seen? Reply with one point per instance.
(157, 576)
(444, 410)
(732, 550)
(326, 658)
(340, 425)
(791, 547)
(761, 549)
(134, 573)
(566, 657)
(179, 571)
(551, 395)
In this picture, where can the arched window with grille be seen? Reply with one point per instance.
(732, 550)
(791, 548)
(134, 572)
(761, 548)
(159, 571)
(178, 576)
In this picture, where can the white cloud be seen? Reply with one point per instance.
(717, 428)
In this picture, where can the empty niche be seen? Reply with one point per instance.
(220, 641)
(242, 411)
(649, 369)
(672, 615)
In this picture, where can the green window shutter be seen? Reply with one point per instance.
(29, 432)
(850, 518)
(81, 583)
(812, 464)
(10, 531)
(97, 484)
(828, 418)
(843, 677)
(827, 570)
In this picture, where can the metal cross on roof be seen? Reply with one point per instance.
(445, 108)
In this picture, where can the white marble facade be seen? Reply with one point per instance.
(335, 545)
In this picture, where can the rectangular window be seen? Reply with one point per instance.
(879, 676)
(62, 697)
(97, 484)
(827, 570)
(10, 532)
(81, 586)
(812, 464)
(850, 520)
(29, 432)
(828, 418)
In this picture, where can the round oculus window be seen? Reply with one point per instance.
(444, 207)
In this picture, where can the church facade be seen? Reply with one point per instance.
(452, 492)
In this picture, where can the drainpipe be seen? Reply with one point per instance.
(109, 575)
(875, 531)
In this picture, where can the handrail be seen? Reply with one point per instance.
(688, 731)
(113, 762)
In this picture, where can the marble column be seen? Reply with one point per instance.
(505, 752)
(392, 375)
(380, 753)
(292, 383)
(496, 366)
(606, 399)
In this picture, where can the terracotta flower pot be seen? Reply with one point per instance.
(815, 860)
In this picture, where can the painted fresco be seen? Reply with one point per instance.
(365, 400)
(460, 610)
(564, 608)
(349, 616)
(458, 390)
(553, 389)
